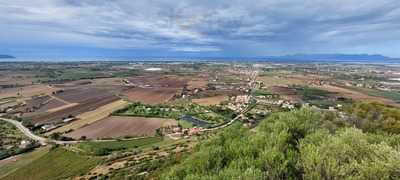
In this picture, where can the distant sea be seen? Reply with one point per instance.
(193, 59)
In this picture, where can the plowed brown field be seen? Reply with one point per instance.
(116, 126)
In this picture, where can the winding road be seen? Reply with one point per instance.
(253, 79)
(45, 141)
(28, 133)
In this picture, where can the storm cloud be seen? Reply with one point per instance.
(215, 28)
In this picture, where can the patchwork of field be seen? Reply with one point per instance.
(41, 104)
(357, 95)
(159, 81)
(213, 93)
(85, 106)
(12, 78)
(79, 95)
(150, 95)
(118, 126)
(209, 101)
(285, 92)
(197, 83)
(27, 91)
(280, 81)
(64, 103)
(91, 116)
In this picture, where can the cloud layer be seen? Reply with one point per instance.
(220, 28)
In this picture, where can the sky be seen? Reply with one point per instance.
(198, 28)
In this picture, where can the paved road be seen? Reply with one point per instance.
(26, 131)
(44, 141)
(253, 79)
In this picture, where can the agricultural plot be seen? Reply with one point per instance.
(286, 93)
(91, 116)
(39, 104)
(27, 91)
(117, 126)
(280, 81)
(83, 106)
(173, 111)
(9, 165)
(209, 101)
(213, 93)
(357, 95)
(320, 98)
(79, 95)
(170, 81)
(150, 95)
(197, 83)
(57, 164)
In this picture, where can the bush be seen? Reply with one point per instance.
(300, 144)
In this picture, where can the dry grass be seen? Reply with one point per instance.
(150, 95)
(27, 91)
(280, 81)
(356, 95)
(197, 83)
(210, 100)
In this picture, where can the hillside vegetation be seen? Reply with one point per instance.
(301, 144)
(374, 117)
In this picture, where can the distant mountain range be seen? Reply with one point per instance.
(2, 56)
(332, 57)
(294, 57)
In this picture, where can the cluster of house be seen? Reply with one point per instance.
(179, 132)
(383, 86)
(317, 82)
(239, 103)
(278, 102)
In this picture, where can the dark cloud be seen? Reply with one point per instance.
(251, 27)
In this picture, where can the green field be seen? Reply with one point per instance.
(174, 111)
(57, 164)
(185, 124)
(104, 148)
(9, 166)
(393, 95)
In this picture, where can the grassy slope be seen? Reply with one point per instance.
(90, 147)
(9, 166)
(57, 164)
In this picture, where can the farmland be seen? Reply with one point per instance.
(144, 121)
(104, 148)
(175, 111)
(210, 100)
(57, 164)
(92, 116)
(118, 127)
(83, 106)
(150, 95)
(26, 91)
(9, 165)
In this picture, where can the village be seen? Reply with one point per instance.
(170, 107)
